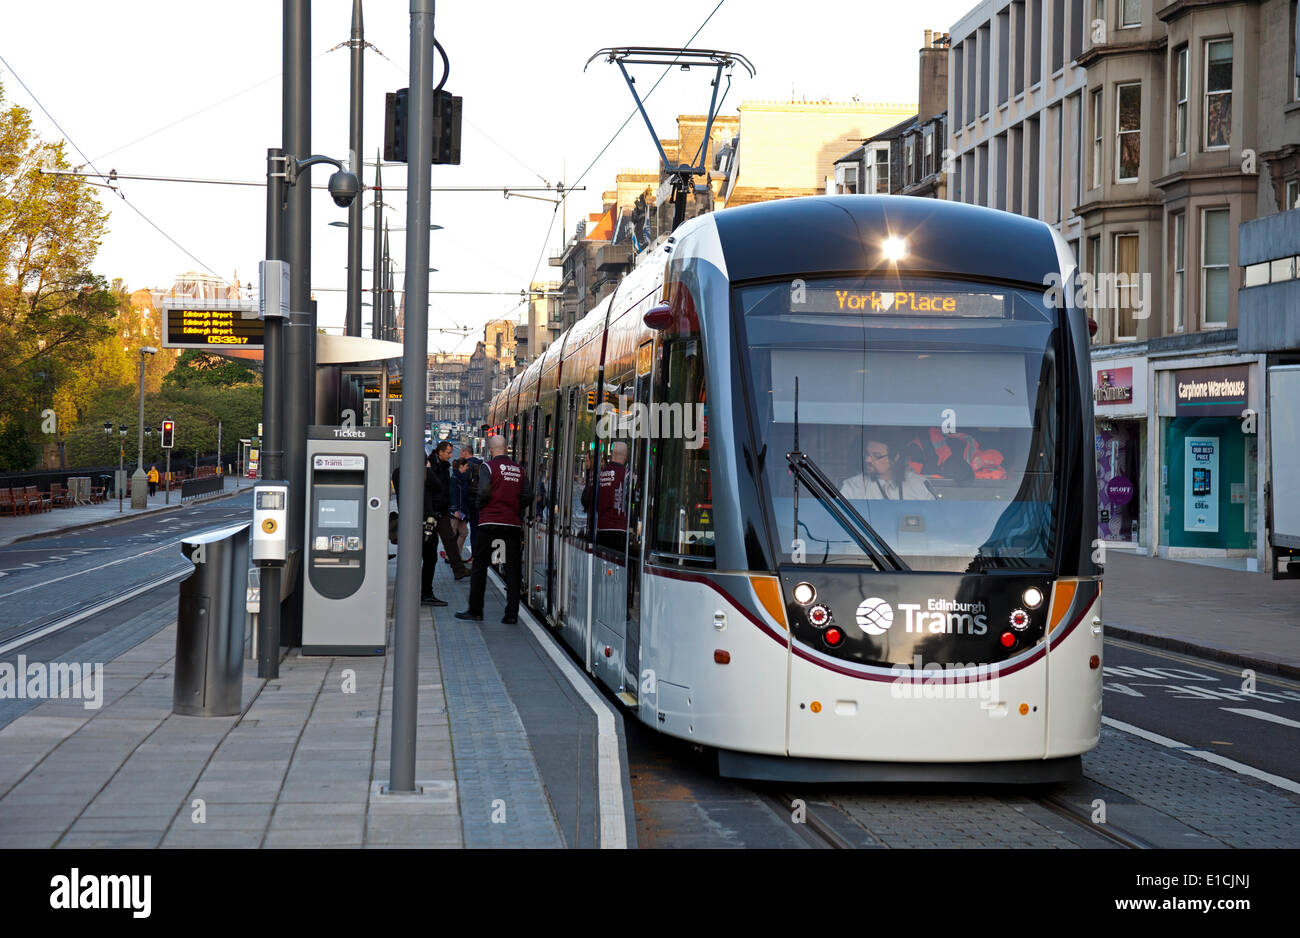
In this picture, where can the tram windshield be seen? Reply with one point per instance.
(931, 405)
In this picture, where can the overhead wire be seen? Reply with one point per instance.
(91, 164)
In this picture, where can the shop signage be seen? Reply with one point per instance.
(1201, 484)
(1120, 490)
(1114, 386)
(1211, 392)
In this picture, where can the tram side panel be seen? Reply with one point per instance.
(733, 701)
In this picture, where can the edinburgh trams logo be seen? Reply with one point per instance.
(875, 616)
(936, 616)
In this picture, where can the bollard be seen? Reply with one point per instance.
(209, 671)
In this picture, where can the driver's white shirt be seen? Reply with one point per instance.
(913, 488)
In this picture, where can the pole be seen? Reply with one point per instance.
(219, 447)
(167, 498)
(299, 385)
(375, 313)
(121, 471)
(272, 455)
(406, 636)
(357, 44)
(139, 489)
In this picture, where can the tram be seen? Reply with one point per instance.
(814, 489)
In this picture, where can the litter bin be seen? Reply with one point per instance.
(209, 668)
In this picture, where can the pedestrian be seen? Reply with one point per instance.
(503, 491)
(472, 466)
(610, 499)
(437, 520)
(459, 506)
(153, 479)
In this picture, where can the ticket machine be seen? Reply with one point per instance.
(346, 547)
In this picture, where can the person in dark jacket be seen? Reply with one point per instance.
(503, 492)
(459, 508)
(472, 465)
(437, 514)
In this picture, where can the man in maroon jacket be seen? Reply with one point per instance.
(503, 491)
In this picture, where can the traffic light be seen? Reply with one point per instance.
(446, 127)
(168, 433)
(591, 399)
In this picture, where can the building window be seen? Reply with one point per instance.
(1094, 268)
(1292, 194)
(1033, 35)
(1126, 269)
(1218, 94)
(1099, 11)
(1128, 127)
(878, 161)
(1004, 55)
(985, 35)
(1131, 13)
(1019, 29)
(908, 175)
(1097, 124)
(1214, 267)
(1180, 102)
(958, 84)
(929, 152)
(1058, 35)
(1180, 271)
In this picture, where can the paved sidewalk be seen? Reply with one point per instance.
(295, 769)
(1245, 619)
(513, 764)
(59, 520)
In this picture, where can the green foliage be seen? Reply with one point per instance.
(197, 369)
(196, 412)
(53, 310)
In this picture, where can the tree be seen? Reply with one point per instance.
(197, 368)
(53, 311)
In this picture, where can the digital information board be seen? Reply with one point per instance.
(211, 324)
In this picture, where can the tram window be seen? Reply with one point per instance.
(942, 432)
(680, 451)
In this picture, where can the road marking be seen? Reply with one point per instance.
(68, 576)
(93, 610)
(1277, 781)
(613, 832)
(1262, 715)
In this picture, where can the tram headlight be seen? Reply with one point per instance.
(804, 593)
(894, 248)
(819, 615)
(1033, 597)
(1019, 620)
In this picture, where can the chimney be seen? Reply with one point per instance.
(932, 96)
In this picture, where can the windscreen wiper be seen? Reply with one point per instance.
(875, 546)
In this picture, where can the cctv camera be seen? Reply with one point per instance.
(343, 188)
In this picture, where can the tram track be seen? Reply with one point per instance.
(1062, 808)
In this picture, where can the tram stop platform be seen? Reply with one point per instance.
(514, 748)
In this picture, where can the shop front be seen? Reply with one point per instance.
(1210, 475)
(1119, 391)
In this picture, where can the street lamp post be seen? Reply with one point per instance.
(139, 492)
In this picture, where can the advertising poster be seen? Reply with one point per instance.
(1201, 481)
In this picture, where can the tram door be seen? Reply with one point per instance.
(545, 502)
(636, 472)
(535, 520)
(566, 470)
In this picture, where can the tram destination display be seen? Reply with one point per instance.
(927, 300)
(211, 324)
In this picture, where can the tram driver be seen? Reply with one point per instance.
(887, 475)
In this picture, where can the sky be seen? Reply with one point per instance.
(159, 87)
